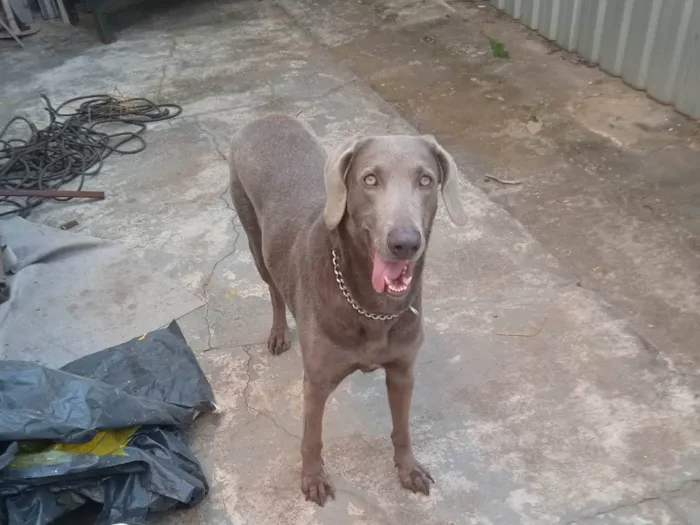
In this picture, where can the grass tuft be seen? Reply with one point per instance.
(499, 49)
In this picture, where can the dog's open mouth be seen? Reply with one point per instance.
(391, 277)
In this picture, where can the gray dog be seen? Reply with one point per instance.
(346, 261)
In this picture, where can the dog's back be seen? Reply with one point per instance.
(278, 162)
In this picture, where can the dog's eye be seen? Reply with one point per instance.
(425, 181)
(370, 179)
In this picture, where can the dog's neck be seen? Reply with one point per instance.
(355, 264)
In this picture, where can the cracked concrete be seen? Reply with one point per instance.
(537, 401)
(249, 406)
(234, 243)
(661, 507)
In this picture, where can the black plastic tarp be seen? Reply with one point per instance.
(104, 429)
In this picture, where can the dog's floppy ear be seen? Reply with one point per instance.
(337, 167)
(448, 181)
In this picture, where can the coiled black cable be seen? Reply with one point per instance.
(73, 146)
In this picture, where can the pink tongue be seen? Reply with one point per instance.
(382, 269)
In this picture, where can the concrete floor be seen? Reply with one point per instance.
(558, 382)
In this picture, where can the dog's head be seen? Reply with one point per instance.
(386, 188)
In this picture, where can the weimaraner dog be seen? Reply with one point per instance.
(346, 261)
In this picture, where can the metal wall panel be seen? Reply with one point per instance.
(652, 44)
(687, 95)
(530, 13)
(569, 23)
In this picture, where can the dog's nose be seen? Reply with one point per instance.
(404, 242)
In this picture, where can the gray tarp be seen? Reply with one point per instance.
(73, 295)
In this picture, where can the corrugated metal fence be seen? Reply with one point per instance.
(652, 44)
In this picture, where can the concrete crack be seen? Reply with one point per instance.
(207, 282)
(249, 406)
(659, 354)
(188, 313)
(616, 508)
(337, 88)
(629, 505)
(644, 340)
(161, 82)
(329, 92)
(205, 292)
(222, 197)
(212, 138)
(254, 107)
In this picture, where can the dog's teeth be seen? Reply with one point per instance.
(397, 287)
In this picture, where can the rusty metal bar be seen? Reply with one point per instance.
(50, 194)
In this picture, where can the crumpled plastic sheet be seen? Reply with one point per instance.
(104, 429)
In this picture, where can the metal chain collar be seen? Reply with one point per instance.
(370, 315)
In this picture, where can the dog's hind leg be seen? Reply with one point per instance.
(280, 339)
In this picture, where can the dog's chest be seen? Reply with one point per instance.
(373, 354)
(378, 347)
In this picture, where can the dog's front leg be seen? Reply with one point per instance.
(399, 383)
(315, 482)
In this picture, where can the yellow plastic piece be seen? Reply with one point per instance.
(105, 443)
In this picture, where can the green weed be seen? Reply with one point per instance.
(499, 49)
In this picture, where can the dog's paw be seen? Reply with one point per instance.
(279, 341)
(317, 487)
(415, 477)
